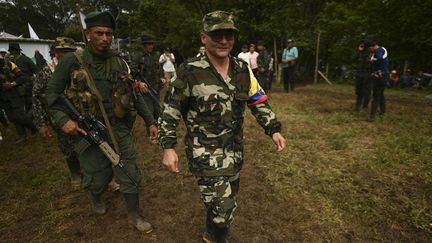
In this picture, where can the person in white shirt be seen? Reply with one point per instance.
(244, 55)
(201, 51)
(167, 61)
(253, 56)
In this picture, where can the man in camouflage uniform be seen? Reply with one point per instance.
(264, 60)
(211, 94)
(41, 118)
(12, 79)
(89, 78)
(145, 67)
(28, 68)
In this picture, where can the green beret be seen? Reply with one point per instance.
(104, 19)
(218, 20)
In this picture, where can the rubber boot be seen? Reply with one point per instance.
(98, 205)
(134, 218)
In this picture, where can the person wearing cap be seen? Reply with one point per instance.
(265, 67)
(362, 78)
(145, 68)
(12, 80)
(29, 69)
(167, 60)
(407, 79)
(41, 118)
(244, 54)
(211, 94)
(289, 62)
(96, 80)
(3, 52)
(379, 77)
(394, 79)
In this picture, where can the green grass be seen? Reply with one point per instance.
(341, 178)
(372, 179)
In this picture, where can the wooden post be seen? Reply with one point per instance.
(317, 58)
(327, 70)
(276, 59)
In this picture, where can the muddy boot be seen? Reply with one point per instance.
(75, 181)
(132, 204)
(98, 205)
(214, 234)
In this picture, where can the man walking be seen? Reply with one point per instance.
(211, 94)
(145, 67)
(41, 118)
(96, 81)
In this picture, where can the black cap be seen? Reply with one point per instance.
(145, 39)
(260, 43)
(244, 46)
(104, 19)
(14, 46)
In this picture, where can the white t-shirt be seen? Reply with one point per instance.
(253, 59)
(244, 56)
(168, 65)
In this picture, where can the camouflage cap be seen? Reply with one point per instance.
(65, 43)
(218, 20)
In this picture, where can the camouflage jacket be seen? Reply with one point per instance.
(40, 115)
(263, 61)
(213, 111)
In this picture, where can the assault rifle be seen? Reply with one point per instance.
(151, 91)
(96, 131)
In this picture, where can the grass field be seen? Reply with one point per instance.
(340, 179)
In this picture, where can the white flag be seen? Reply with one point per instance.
(82, 17)
(33, 34)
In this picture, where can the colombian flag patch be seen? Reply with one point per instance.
(256, 93)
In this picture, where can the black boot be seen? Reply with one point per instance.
(98, 205)
(214, 234)
(134, 218)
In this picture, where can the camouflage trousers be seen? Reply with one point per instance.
(219, 196)
(66, 146)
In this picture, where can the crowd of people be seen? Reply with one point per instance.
(90, 97)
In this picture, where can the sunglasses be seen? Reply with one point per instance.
(218, 35)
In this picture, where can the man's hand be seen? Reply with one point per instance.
(170, 160)
(71, 127)
(143, 87)
(153, 132)
(279, 141)
(44, 132)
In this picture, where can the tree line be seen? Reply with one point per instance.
(401, 26)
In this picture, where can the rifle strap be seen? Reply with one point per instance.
(92, 86)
